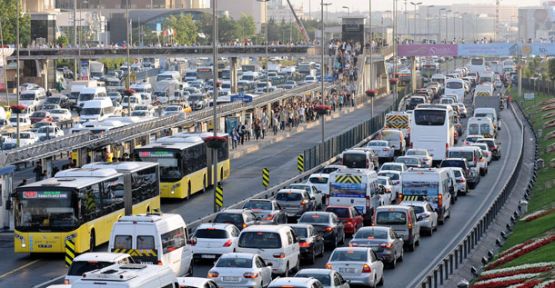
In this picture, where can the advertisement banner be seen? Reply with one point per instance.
(542, 49)
(490, 49)
(427, 50)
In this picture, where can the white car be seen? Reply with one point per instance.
(296, 282)
(460, 184)
(195, 282)
(92, 261)
(394, 180)
(241, 270)
(426, 217)
(312, 191)
(310, 79)
(26, 138)
(24, 120)
(485, 150)
(462, 110)
(49, 132)
(329, 278)
(422, 154)
(382, 149)
(358, 265)
(142, 113)
(213, 240)
(171, 110)
(60, 115)
(393, 166)
(386, 198)
(320, 181)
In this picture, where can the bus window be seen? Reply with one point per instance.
(429, 117)
(41, 209)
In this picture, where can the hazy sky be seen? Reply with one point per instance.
(362, 5)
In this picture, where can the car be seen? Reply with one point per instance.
(328, 224)
(310, 242)
(463, 112)
(114, 96)
(394, 166)
(310, 79)
(383, 240)
(267, 211)
(195, 282)
(48, 107)
(472, 138)
(320, 181)
(426, 217)
(382, 149)
(423, 154)
(39, 116)
(332, 168)
(92, 261)
(295, 202)
(26, 138)
(210, 240)
(386, 197)
(35, 127)
(295, 282)
(172, 110)
(24, 120)
(241, 218)
(60, 115)
(351, 218)
(329, 278)
(403, 221)
(461, 185)
(312, 191)
(49, 132)
(485, 151)
(472, 177)
(241, 270)
(410, 161)
(358, 265)
(493, 146)
(142, 113)
(394, 181)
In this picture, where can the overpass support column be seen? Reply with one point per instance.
(47, 166)
(413, 73)
(233, 76)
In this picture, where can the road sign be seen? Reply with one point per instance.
(265, 177)
(529, 96)
(219, 196)
(70, 251)
(300, 163)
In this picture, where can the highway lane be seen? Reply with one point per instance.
(464, 214)
(244, 182)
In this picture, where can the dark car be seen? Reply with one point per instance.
(241, 218)
(383, 241)
(295, 202)
(351, 218)
(328, 225)
(471, 177)
(493, 146)
(267, 211)
(310, 241)
(61, 100)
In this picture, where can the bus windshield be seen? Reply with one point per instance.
(355, 160)
(170, 169)
(45, 209)
(429, 117)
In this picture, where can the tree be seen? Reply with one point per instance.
(227, 29)
(246, 26)
(8, 16)
(62, 41)
(185, 29)
(551, 68)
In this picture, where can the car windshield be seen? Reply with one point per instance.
(232, 218)
(211, 233)
(349, 255)
(27, 97)
(260, 240)
(407, 160)
(261, 205)
(90, 111)
(391, 175)
(235, 262)
(371, 233)
(38, 114)
(341, 212)
(418, 209)
(289, 196)
(314, 218)
(323, 278)
(58, 111)
(381, 181)
(78, 268)
(318, 180)
(300, 232)
(52, 100)
(391, 218)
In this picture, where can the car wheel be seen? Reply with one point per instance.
(393, 263)
(431, 231)
(412, 246)
(401, 256)
(381, 281)
(312, 258)
(286, 274)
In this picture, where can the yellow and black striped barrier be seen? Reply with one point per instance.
(414, 198)
(265, 177)
(70, 251)
(348, 179)
(219, 196)
(300, 163)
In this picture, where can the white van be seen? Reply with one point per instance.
(142, 87)
(396, 139)
(276, 244)
(491, 113)
(169, 75)
(96, 110)
(472, 154)
(481, 126)
(429, 184)
(455, 86)
(92, 261)
(135, 100)
(32, 98)
(88, 94)
(160, 239)
(129, 276)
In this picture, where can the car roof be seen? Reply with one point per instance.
(219, 226)
(192, 281)
(394, 207)
(237, 255)
(292, 280)
(353, 248)
(299, 225)
(414, 203)
(389, 171)
(265, 228)
(291, 190)
(101, 256)
(235, 211)
(316, 271)
(324, 175)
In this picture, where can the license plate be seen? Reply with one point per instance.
(346, 270)
(208, 256)
(231, 279)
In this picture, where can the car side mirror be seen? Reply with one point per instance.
(269, 264)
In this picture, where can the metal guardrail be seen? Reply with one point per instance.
(436, 273)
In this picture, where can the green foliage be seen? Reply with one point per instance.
(62, 41)
(8, 16)
(185, 29)
(551, 68)
(245, 27)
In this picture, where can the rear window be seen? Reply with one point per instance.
(454, 85)
(418, 209)
(323, 278)
(391, 217)
(457, 173)
(211, 234)
(80, 267)
(340, 212)
(123, 242)
(429, 117)
(314, 218)
(349, 255)
(391, 167)
(289, 196)
(354, 160)
(318, 180)
(371, 233)
(300, 232)
(452, 163)
(262, 205)
(236, 219)
(234, 262)
(260, 240)
(468, 155)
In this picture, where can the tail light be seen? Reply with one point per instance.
(269, 217)
(279, 255)
(304, 202)
(386, 245)
(366, 268)
(228, 243)
(160, 263)
(66, 282)
(250, 275)
(245, 225)
(353, 244)
(193, 242)
(328, 266)
(460, 180)
(400, 197)
(304, 244)
(439, 200)
(328, 229)
(212, 274)
(446, 148)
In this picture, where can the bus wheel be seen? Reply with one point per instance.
(204, 184)
(147, 209)
(221, 174)
(92, 242)
(188, 190)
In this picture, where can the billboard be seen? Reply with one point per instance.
(490, 49)
(427, 50)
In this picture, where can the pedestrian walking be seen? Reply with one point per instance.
(38, 172)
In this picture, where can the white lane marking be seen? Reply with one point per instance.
(18, 269)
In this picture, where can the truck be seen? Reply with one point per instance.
(165, 89)
(398, 120)
(355, 187)
(485, 97)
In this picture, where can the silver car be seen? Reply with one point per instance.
(241, 270)
(422, 154)
(382, 149)
(328, 277)
(426, 217)
(387, 245)
(358, 265)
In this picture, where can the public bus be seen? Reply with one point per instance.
(478, 65)
(205, 72)
(432, 127)
(184, 163)
(82, 204)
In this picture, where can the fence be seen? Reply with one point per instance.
(436, 273)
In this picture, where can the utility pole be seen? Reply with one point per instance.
(322, 69)
(17, 46)
(371, 60)
(215, 94)
(497, 2)
(128, 82)
(75, 38)
(5, 64)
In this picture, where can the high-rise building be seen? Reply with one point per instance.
(237, 8)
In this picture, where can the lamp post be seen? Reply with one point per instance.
(428, 18)
(348, 10)
(447, 25)
(455, 14)
(371, 74)
(439, 23)
(323, 66)
(17, 44)
(128, 81)
(215, 39)
(265, 2)
(415, 5)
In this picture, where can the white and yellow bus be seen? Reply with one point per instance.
(184, 164)
(80, 203)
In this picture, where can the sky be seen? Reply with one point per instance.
(362, 5)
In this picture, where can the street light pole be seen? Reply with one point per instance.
(415, 4)
(322, 67)
(439, 23)
(128, 82)
(215, 39)
(428, 19)
(371, 60)
(267, 40)
(17, 44)
(348, 10)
